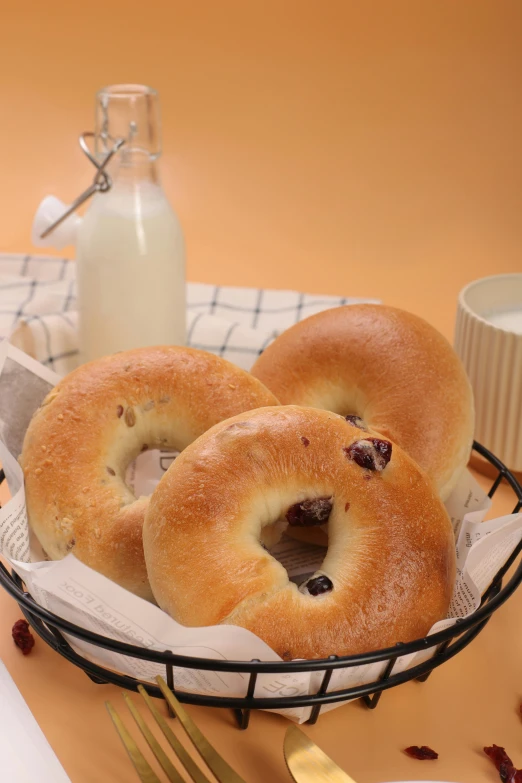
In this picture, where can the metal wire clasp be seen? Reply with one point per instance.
(100, 184)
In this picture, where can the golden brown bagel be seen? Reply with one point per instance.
(95, 422)
(386, 366)
(391, 558)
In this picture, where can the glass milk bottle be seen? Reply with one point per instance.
(130, 248)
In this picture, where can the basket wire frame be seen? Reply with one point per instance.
(446, 644)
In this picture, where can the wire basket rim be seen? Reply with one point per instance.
(314, 700)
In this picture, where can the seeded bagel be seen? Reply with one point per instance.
(95, 422)
(390, 567)
(387, 367)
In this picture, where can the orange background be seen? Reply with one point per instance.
(334, 146)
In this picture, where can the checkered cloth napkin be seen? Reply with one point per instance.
(38, 300)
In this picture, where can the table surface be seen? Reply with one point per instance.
(339, 148)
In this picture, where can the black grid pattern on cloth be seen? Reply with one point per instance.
(232, 322)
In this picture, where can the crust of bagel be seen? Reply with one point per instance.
(391, 555)
(388, 366)
(94, 422)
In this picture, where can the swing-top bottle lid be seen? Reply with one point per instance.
(127, 125)
(130, 112)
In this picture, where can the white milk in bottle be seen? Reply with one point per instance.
(130, 248)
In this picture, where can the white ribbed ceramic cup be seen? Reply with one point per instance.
(488, 339)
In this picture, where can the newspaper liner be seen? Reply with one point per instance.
(77, 593)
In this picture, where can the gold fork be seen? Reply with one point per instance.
(222, 771)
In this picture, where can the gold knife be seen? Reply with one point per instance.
(307, 763)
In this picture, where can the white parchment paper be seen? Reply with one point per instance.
(81, 595)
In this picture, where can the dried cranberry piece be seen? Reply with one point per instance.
(498, 755)
(506, 770)
(305, 441)
(422, 752)
(370, 453)
(384, 448)
(318, 585)
(510, 774)
(22, 636)
(361, 453)
(309, 512)
(356, 421)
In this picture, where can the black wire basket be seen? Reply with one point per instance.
(445, 644)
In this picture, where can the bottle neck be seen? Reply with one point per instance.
(134, 168)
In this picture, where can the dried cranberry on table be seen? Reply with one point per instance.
(422, 752)
(510, 775)
(507, 771)
(498, 755)
(22, 636)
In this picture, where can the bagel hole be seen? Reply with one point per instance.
(297, 536)
(345, 402)
(144, 473)
(300, 559)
